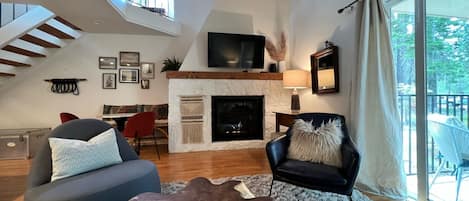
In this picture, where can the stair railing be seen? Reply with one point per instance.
(11, 11)
(161, 7)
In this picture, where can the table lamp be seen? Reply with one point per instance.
(295, 79)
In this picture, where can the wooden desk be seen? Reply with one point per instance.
(285, 119)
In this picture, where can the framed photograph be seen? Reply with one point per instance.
(145, 84)
(129, 75)
(109, 81)
(148, 70)
(129, 58)
(107, 62)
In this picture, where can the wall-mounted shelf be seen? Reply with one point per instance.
(223, 75)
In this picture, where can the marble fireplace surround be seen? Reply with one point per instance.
(276, 98)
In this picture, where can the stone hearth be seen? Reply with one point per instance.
(276, 98)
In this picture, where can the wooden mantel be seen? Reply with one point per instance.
(223, 75)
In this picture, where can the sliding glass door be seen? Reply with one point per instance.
(432, 61)
(447, 83)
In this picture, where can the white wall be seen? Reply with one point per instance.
(241, 16)
(29, 103)
(312, 23)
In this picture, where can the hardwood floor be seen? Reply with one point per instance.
(171, 167)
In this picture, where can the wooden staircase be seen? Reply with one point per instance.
(28, 48)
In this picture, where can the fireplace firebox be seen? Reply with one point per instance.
(237, 118)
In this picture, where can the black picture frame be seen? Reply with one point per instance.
(109, 81)
(145, 84)
(107, 63)
(129, 59)
(147, 70)
(129, 75)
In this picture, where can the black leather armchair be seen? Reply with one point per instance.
(314, 175)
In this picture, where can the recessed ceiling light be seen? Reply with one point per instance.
(98, 22)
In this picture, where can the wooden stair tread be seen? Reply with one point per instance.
(22, 51)
(54, 31)
(7, 74)
(66, 22)
(14, 63)
(35, 40)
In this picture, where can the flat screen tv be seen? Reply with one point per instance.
(235, 50)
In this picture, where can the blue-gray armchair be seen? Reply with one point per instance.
(118, 182)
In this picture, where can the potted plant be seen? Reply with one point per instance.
(171, 64)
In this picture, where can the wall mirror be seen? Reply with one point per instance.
(325, 70)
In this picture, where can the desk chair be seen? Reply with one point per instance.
(141, 126)
(64, 117)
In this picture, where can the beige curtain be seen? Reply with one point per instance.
(375, 118)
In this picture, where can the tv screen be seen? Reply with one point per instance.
(235, 50)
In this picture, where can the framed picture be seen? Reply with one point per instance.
(145, 84)
(148, 70)
(129, 75)
(109, 81)
(129, 58)
(107, 62)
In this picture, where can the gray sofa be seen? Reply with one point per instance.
(118, 182)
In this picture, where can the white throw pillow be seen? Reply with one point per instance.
(72, 157)
(321, 145)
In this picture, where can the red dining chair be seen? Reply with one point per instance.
(64, 117)
(141, 126)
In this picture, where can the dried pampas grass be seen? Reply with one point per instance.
(277, 53)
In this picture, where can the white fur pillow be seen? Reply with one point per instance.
(319, 145)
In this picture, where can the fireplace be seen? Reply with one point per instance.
(237, 118)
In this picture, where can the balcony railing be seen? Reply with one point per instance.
(11, 11)
(161, 7)
(452, 105)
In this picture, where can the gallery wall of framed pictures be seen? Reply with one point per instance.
(131, 70)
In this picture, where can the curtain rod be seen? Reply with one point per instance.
(347, 6)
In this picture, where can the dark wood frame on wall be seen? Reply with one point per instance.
(103, 65)
(129, 81)
(330, 53)
(133, 61)
(115, 80)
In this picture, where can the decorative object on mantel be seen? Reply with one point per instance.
(171, 64)
(295, 79)
(277, 53)
(62, 86)
(350, 5)
(325, 70)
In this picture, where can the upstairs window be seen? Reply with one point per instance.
(162, 7)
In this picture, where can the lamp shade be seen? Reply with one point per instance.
(295, 79)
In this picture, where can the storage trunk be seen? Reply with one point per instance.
(21, 143)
